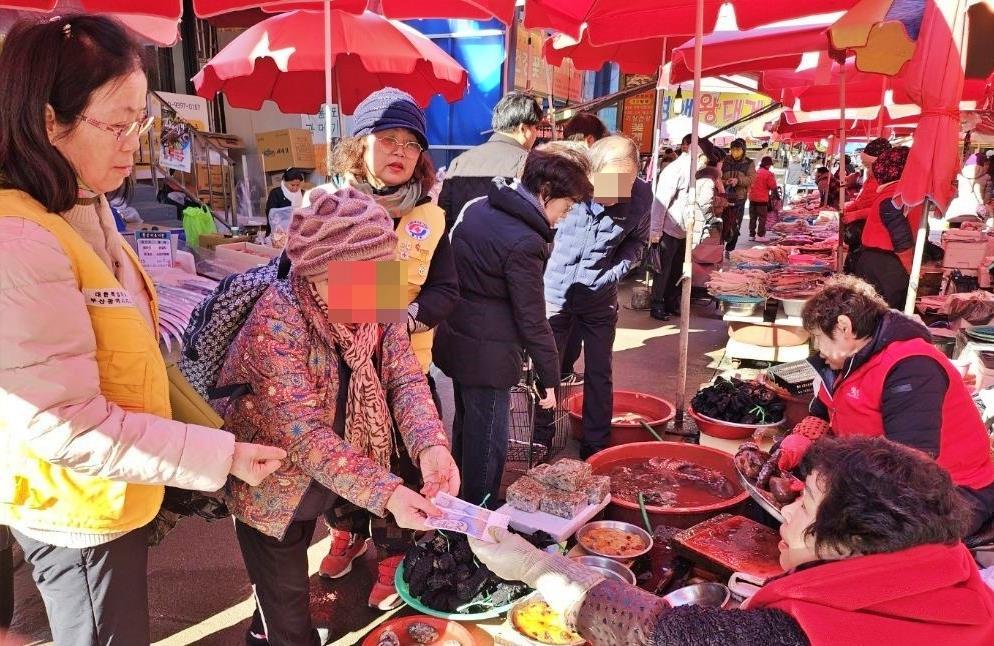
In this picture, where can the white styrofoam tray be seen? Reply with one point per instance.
(559, 528)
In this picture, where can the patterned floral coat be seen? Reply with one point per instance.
(285, 353)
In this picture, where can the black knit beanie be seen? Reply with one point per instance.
(390, 108)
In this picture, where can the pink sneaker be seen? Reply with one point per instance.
(345, 548)
(384, 594)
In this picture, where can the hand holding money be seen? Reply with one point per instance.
(465, 518)
(411, 510)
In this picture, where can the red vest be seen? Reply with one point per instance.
(875, 234)
(964, 447)
(930, 595)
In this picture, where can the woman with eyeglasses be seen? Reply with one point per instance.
(387, 158)
(86, 439)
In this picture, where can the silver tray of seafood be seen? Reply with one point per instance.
(762, 478)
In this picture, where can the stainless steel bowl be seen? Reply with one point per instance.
(628, 528)
(607, 567)
(708, 595)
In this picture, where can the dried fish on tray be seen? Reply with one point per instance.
(767, 255)
(738, 282)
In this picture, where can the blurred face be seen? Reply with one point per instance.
(293, 185)
(737, 153)
(838, 347)
(102, 159)
(796, 545)
(391, 156)
(866, 160)
(613, 183)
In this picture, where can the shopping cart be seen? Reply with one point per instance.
(522, 449)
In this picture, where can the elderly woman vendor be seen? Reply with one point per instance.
(872, 555)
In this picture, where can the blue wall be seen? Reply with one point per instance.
(461, 123)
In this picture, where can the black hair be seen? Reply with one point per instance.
(585, 124)
(821, 170)
(293, 175)
(881, 497)
(58, 63)
(738, 143)
(766, 162)
(556, 170)
(687, 138)
(515, 109)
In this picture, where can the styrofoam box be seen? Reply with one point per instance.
(242, 256)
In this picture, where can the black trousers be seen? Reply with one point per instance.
(734, 215)
(883, 270)
(278, 572)
(94, 596)
(666, 285)
(595, 327)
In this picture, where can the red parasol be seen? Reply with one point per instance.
(211, 8)
(737, 52)
(934, 80)
(614, 21)
(633, 57)
(283, 58)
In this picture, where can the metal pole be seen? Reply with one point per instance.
(327, 87)
(691, 222)
(916, 264)
(657, 131)
(883, 99)
(552, 105)
(842, 167)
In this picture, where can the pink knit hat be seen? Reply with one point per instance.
(345, 225)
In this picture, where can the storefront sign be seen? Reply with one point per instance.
(155, 248)
(192, 109)
(530, 70)
(315, 123)
(638, 113)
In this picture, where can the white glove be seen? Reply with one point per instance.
(562, 582)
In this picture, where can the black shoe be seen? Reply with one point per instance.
(586, 451)
(659, 314)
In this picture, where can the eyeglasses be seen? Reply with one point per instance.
(411, 149)
(139, 127)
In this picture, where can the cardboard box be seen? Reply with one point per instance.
(964, 254)
(212, 240)
(242, 256)
(282, 149)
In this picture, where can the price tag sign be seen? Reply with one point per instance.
(155, 248)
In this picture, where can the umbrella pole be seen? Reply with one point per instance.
(327, 89)
(883, 102)
(842, 167)
(657, 130)
(552, 104)
(690, 219)
(916, 264)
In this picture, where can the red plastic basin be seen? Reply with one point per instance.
(727, 430)
(658, 411)
(602, 463)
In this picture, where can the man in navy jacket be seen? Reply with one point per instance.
(595, 247)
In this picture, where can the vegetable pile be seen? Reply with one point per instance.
(442, 573)
(739, 402)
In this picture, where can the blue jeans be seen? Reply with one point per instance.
(479, 439)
